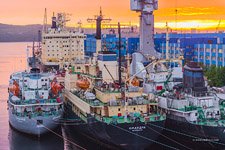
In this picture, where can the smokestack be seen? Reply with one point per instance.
(98, 28)
(54, 21)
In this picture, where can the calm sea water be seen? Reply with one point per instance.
(13, 58)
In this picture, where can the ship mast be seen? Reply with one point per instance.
(119, 68)
(99, 19)
(45, 22)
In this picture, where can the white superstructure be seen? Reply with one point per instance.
(59, 45)
(35, 102)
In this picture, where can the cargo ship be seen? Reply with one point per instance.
(106, 102)
(194, 109)
(35, 102)
(103, 112)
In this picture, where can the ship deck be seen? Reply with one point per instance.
(87, 75)
(36, 102)
(117, 119)
(122, 119)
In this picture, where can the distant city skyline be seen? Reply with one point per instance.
(181, 14)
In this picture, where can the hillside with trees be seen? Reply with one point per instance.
(19, 33)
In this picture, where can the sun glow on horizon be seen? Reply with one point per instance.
(182, 14)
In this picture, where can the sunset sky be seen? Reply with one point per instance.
(200, 14)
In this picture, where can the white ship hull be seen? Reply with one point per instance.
(30, 125)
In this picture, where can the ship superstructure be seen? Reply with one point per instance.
(35, 102)
(60, 46)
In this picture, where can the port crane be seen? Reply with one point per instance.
(146, 52)
(146, 8)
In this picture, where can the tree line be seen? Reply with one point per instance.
(215, 75)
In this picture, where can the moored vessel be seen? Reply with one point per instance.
(35, 102)
(98, 107)
(194, 109)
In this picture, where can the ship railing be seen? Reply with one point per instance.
(132, 118)
(107, 89)
(92, 102)
(88, 75)
(39, 101)
(37, 114)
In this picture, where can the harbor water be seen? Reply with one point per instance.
(13, 58)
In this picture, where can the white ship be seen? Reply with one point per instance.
(35, 102)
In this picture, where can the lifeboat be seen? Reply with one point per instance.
(55, 87)
(14, 89)
(135, 82)
(83, 84)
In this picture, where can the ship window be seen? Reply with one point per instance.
(118, 109)
(134, 108)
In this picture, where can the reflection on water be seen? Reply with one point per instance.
(20, 141)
